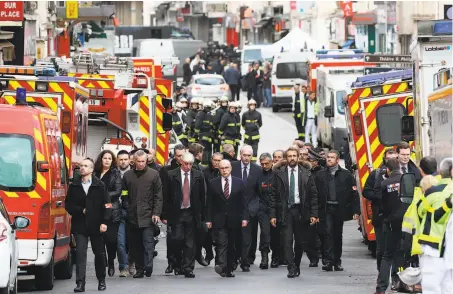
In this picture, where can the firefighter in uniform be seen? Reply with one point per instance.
(230, 126)
(238, 124)
(219, 112)
(190, 121)
(252, 122)
(298, 104)
(178, 124)
(204, 130)
(183, 112)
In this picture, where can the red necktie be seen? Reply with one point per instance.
(186, 191)
(226, 189)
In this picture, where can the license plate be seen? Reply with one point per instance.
(94, 102)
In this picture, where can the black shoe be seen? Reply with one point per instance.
(313, 264)
(292, 274)
(219, 271)
(245, 268)
(328, 267)
(209, 255)
(297, 270)
(102, 286)
(235, 266)
(338, 268)
(202, 261)
(229, 275)
(155, 253)
(148, 274)
(178, 272)
(111, 270)
(190, 275)
(264, 260)
(139, 275)
(274, 263)
(169, 269)
(79, 288)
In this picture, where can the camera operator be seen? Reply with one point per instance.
(372, 192)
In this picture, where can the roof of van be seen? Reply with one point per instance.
(19, 119)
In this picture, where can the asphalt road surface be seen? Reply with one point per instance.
(359, 276)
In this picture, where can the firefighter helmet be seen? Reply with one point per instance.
(178, 104)
(194, 101)
(224, 99)
(183, 99)
(233, 104)
(251, 101)
(207, 103)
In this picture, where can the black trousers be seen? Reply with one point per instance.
(380, 245)
(300, 128)
(183, 235)
(292, 235)
(97, 245)
(141, 245)
(250, 235)
(252, 93)
(393, 255)
(308, 244)
(276, 241)
(225, 247)
(334, 235)
(234, 92)
(111, 241)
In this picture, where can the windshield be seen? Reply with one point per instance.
(209, 81)
(292, 70)
(252, 55)
(16, 163)
(340, 104)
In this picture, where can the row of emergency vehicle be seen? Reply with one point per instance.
(413, 105)
(55, 122)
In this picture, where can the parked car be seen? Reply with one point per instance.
(210, 86)
(9, 252)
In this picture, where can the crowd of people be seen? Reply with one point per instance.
(299, 198)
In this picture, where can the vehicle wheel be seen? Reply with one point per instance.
(275, 109)
(44, 277)
(64, 269)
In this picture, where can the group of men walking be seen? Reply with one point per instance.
(290, 196)
(213, 124)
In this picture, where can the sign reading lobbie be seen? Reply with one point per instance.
(11, 10)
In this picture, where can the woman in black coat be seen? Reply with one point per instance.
(106, 170)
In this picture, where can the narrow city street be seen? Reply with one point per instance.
(359, 276)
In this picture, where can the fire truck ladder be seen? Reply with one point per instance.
(119, 64)
(87, 60)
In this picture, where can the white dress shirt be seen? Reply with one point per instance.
(311, 109)
(86, 185)
(242, 169)
(296, 178)
(229, 183)
(183, 176)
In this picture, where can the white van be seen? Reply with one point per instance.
(251, 54)
(288, 69)
(168, 48)
(333, 85)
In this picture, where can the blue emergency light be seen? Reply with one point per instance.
(48, 72)
(443, 27)
(339, 56)
(21, 96)
(379, 78)
(327, 51)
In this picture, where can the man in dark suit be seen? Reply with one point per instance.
(294, 198)
(250, 173)
(183, 206)
(226, 212)
(89, 205)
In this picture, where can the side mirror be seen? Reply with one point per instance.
(21, 222)
(328, 111)
(167, 103)
(407, 188)
(167, 122)
(42, 166)
(407, 128)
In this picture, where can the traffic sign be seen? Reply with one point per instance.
(373, 70)
(375, 58)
